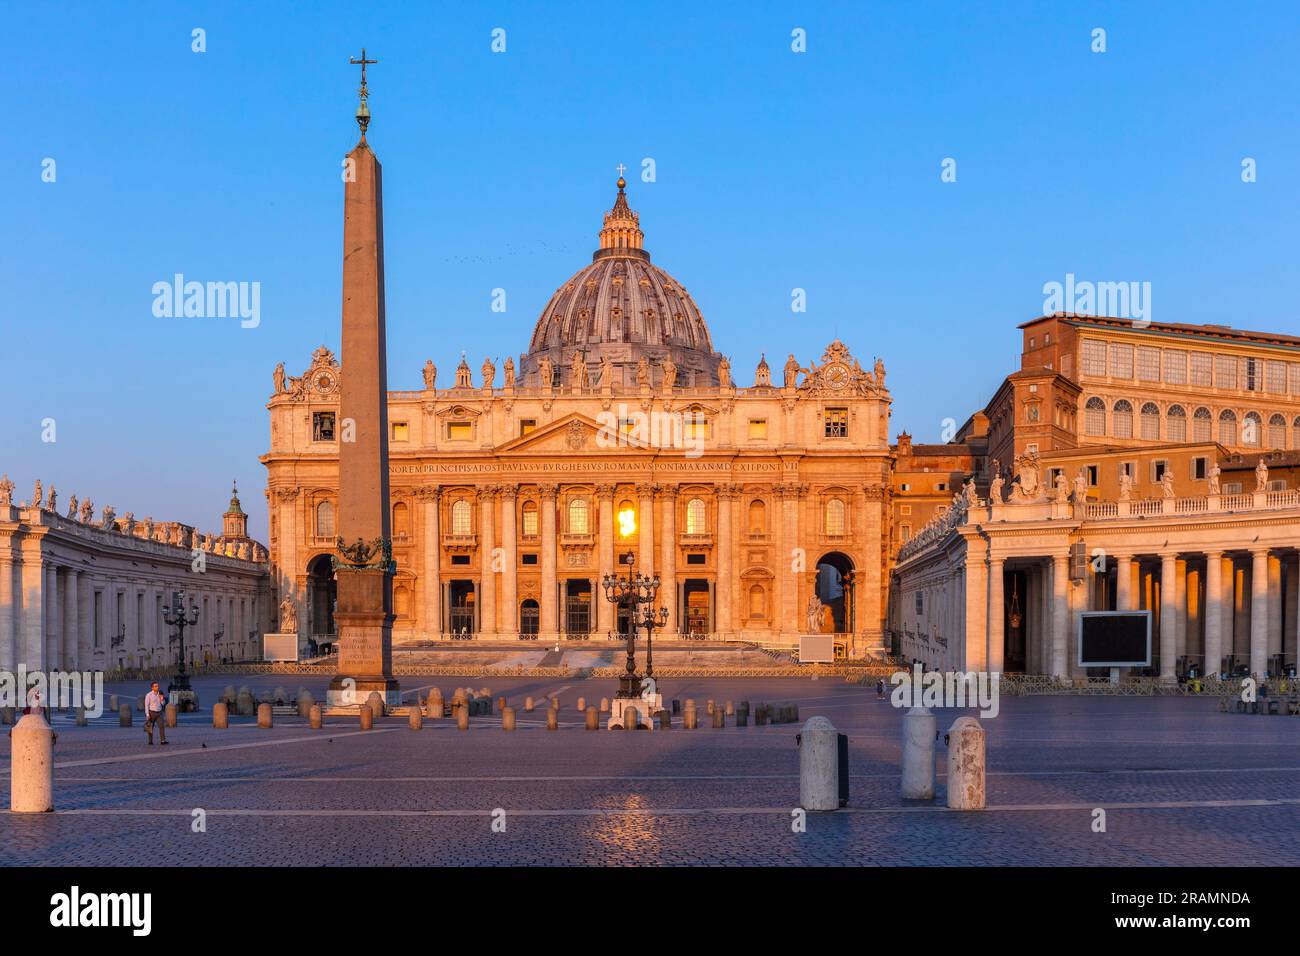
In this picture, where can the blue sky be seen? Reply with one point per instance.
(775, 170)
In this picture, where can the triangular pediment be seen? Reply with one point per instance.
(574, 434)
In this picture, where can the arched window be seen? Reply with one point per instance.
(757, 601)
(1295, 433)
(530, 519)
(835, 516)
(325, 519)
(578, 517)
(401, 520)
(529, 618)
(1252, 429)
(1277, 432)
(757, 517)
(1122, 422)
(1094, 417)
(1176, 423)
(1150, 422)
(1202, 423)
(1227, 427)
(402, 601)
(695, 516)
(462, 518)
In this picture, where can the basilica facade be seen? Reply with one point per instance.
(620, 439)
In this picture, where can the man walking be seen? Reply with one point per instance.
(154, 704)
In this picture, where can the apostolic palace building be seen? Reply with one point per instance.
(762, 508)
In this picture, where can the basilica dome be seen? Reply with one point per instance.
(623, 308)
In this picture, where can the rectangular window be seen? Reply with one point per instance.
(758, 429)
(1275, 377)
(941, 486)
(1225, 371)
(695, 559)
(1199, 467)
(1148, 364)
(460, 559)
(1031, 448)
(1175, 366)
(322, 426)
(1293, 375)
(99, 616)
(1128, 468)
(1198, 369)
(460, 431)
(905, 487)
(527, 425)
(1158, 469)
(1121, 361)
(1277, 484)
(530, 522)
(695, 427)
(837, 423)
(920, 603)
(904, 532)
(1093, 472)
(528, 558)
(904, 509)
(401, 431)
(1252, 375)
(1093, 361)
(1232, 488)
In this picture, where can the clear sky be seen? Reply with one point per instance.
(775, 170)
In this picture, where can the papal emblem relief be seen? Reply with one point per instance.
(577, 436)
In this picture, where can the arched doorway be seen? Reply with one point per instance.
(835, 590)
(322, 592)
(529, 620)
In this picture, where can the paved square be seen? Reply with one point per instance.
(1181, 784)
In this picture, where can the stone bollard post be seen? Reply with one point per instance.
(555, 703)
(665, 719)
(139, 704)
(435, 704)
(112, 705)
(462, 716)
(376, 703)
(966, 764)
(169, 715)
(7, 714)
(631, 717)
(366, 716)
(507, 718)
(304, 703)
(708, 707)
(819, 765)
(264, 715)
(919, 727)
(220, 715)
(501, 704)
(689, 720)
(316, 716)
(244, 703)
(604, 705)
(552, 719)
(415, 717)
(593, 718)
(124, 715)
(528, 704)
(719, 718)
(729, 709)
(582, 705)
(80, 719)
(742, 718)
(31, 771)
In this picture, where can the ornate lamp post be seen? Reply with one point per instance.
(178, 616)
(637, 592)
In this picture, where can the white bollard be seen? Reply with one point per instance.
(966, 764)
(919, 726)
(819, 765)
(31, 775)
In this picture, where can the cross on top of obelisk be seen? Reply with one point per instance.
(363, 111)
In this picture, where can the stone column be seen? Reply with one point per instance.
(667, 556)
(1180, 608)
(1213, 612)
(646, 539)
(726, 568)
(488, 559)
(50, 596)
(789, 496)
(607, 529)
(548, 624)
(508, 619)
(431, 604)
(1259, 613)
(1291, 636)
(71, 628)
(1060, 615)
(997, 608)
(8, 613)
(971, 656)
(1123, 582)
(1168, 615)
(1274, 605)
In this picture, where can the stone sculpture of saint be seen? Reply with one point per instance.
(489, 373)
(38, 495)
(72, 507)
(278, 377)
(815, 615)
(791, 372)
(6, 491)
(880, 373)
(1213, 477)
(1167, 483)
(1261, 476)
(670, 373)
(1081, 487)
(87, 511)
(288, 616)
(724, 373)
(107, 516)
(1125, 486)
(509, 372)
(51, 503)
(995, 488)
(430, 374)
(545, 372)
(606, 372)
(643, 371)
(1062, 488)
(578, 370)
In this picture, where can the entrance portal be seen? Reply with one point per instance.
(577, 609)
(322, 592)
(835, 591)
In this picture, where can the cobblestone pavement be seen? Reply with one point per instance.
(1180, 783)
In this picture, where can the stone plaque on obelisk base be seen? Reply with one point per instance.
(363, 564)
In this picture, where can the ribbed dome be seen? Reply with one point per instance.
(623, 307)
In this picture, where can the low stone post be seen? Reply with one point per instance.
(80, 719)
(139, 704)
(316, 716)
(919, 727)
(582, 705)
(366, 716)
(31, 771)
(555, 704)
(507, 718)
(244, 703)
(552, 719)
(376, 703)
(501, 703)
(435, 704)
(966, 764)
(304, 703)
(112, 705)
(604, 705)
(264, 715)
(665, 719)
(760, 715)
(220, 716)
(593, 718)
(124, 715)
(688, 714)
(462, 716)
(719, 718)
(415, 717)
(819, 765)
(631, 717)
(169, 715)
(528, 704)
(729, 709)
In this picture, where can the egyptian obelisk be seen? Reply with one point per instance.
(364, 562)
